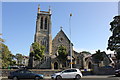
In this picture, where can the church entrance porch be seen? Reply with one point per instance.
(89, 65)
(55, 65)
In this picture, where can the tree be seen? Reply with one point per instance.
(19, 58)
(98, 56)
(38, 51)
(114, 40)
(5, 55)
(7, 59)
(86, 52)
(1, 40)
(62, 53)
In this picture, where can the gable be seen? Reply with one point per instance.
(61, 36)
(60, 39)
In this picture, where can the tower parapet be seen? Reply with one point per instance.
(44, 12)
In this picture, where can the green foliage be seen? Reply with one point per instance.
(1, 40)
(98, 56)
(114, 40)
(13, 62)
(7, 56)
(86, 52)
(62, 53)
(19, 58)
(38, 51)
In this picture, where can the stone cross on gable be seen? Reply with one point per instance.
(61, 27)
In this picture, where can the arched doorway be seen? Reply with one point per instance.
(55, 65)
(89, 65)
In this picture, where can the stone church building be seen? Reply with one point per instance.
(44, 37)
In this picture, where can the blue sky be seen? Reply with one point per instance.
(89, 23)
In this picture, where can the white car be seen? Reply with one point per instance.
(68, 74)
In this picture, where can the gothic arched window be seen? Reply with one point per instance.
(46, 23)
(41, 26)
(45, 43)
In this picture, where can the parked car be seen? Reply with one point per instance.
(24, 74)
(117, 72)
(67, 74)
(14, 67)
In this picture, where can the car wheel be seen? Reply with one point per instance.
(58, 78)
(77, 77)
(37, 78)
(117, 75)
(15, 78)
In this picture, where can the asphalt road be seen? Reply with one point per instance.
(87, 78)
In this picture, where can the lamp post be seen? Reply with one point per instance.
(70, 41)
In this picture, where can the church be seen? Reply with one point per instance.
(43, 36)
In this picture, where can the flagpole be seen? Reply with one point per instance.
(70, 41)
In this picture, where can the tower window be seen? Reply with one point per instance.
(41, 26)
(46, 23)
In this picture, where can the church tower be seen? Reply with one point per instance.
(43, 30)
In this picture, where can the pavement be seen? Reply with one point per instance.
(88, 76)
(92, 77)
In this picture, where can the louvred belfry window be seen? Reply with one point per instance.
(46, 23)
(41, 26)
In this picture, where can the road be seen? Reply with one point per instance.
(88, 78)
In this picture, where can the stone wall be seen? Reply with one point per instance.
(103, 70)
(45, 72)
(5, 72)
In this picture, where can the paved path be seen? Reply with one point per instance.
(95, 77)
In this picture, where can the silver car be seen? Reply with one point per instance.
(67, 74)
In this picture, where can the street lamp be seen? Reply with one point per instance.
(70, 41)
